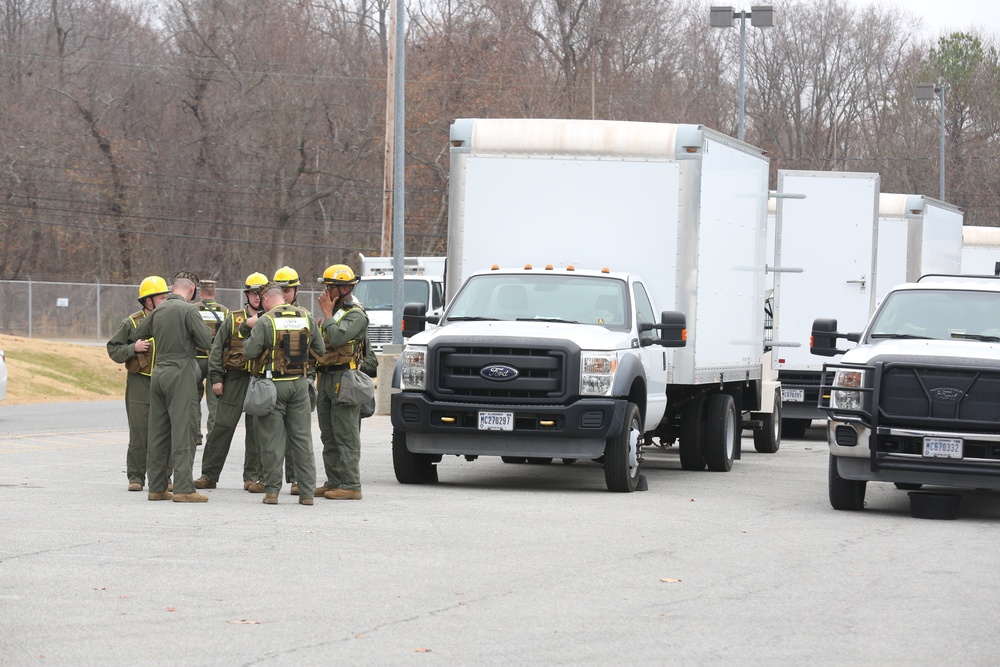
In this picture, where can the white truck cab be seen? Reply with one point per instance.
(423, 283)
(917, 401)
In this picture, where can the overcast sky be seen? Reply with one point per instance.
(947, 16)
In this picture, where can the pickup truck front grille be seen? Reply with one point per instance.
(380, 334)
(541, 373)
(968, 397)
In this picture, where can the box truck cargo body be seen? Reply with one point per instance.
(815, 213)
(578, 253)
(917, 235)
(981, 250)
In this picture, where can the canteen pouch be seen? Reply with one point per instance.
(355, 388)
(261, 397)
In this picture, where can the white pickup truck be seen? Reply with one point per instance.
(917, 401)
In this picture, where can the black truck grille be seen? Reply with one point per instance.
(541, 373)
(971, 397)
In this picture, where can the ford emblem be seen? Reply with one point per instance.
(946, 393)
(498, 373)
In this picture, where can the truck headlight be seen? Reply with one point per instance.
(848, 400)
(414, 368)
(597, 373)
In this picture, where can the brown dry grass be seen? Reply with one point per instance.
(42, 371)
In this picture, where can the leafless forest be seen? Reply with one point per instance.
(232, 136)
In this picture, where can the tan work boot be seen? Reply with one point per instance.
(270, 498)
(255, 487)
(204, 483)
(320, 491)
(162, 495)
(306, 500)
(193, 497)
(342, 494)
(135, 486)
(170, 486)
(295, 489)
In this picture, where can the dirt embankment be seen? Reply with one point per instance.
(41, 371)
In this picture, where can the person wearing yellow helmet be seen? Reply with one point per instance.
(229, 376)
(178, 330)
(345, 328)
(287, 279)
(251, 291)
(281, 343)
(124, 347)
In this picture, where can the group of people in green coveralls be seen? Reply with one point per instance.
(177, 349)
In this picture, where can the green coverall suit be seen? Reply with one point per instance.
(230, 404)
(213, 314)
(339, 424)
(173, 398)
(121, 349)
(290, 423)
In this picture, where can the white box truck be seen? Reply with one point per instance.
(981, 250)
(917, 235)
(605, 288)
(423, 282)
(816, 211)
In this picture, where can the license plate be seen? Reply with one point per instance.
(943, 448)
(496, 421)
(793, 395)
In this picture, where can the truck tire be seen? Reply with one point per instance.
(691, 434)
(795, 428)
(621, 454)
(767, 436)
(514, 459)
(845, 494)
(411, 468)
(539, 460)
(721, 434)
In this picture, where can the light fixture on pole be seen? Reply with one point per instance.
(926, 93)
(761, 16)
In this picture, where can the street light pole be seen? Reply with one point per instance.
(941, 156)
(927, 92)
(761, 16)
(741, 117)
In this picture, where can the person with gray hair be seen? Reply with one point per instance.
(178, 330)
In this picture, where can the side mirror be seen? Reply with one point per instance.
(414, 319)
(672, 328)
(823, 341)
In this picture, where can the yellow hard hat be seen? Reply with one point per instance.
(254, 282)
(286, 276)
(339, 274)
(152, 286)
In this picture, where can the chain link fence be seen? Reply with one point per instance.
(88, 311)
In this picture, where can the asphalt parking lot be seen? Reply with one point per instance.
(498, 564)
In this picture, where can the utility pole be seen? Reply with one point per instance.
(390, 131)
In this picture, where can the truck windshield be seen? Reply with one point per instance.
(545, 297)
(377, 294)
(939, 314)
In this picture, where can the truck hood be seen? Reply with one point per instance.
(915, 350)
(587, 336)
